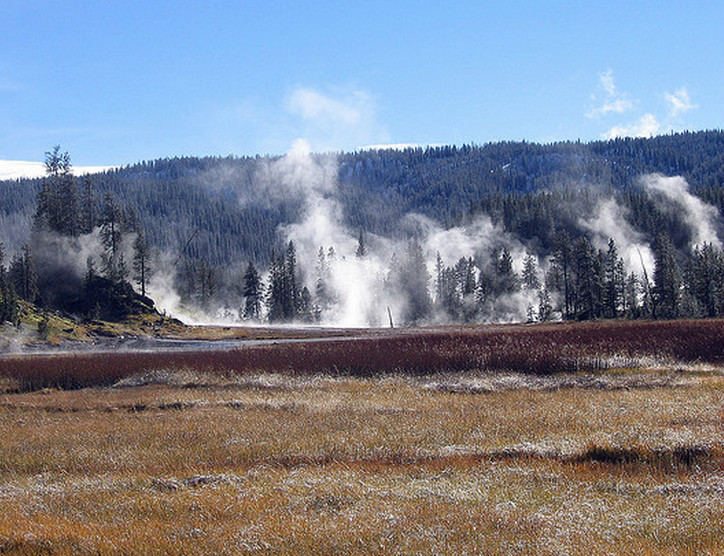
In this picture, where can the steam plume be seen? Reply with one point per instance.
(703, 219)
(609, 221)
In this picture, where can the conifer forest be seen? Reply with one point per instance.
(501, 232)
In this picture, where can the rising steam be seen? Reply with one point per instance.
(702, 219)
(609, 221)
(360, 290)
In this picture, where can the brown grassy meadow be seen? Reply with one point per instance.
(559, 439)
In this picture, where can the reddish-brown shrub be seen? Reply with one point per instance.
(543, 349)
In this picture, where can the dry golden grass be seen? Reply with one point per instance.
(616, 463)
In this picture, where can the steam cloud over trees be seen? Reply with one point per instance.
(504, 232)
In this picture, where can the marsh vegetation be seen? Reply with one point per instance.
(212, 456)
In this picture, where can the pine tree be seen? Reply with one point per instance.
(530, 273)
(8, 297)
(506, 279)
(704, 279)
(58, 206)
(361, 249)
(545, 309)
(291, 301)
(206, 284)
(667, 280)
(588, 288)
(121, 269)
(23, 276)
(141, 261)
(414, 282)
(276, 288)
(252, 293)
(322, 288)
(562, 271)
(631, 305)
(614, 282)
(88, 206)
(438, 280)
(450, 300)
(111, 224)
(465, 275)
(305, 312)
(90, 271)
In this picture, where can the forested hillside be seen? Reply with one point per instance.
(217, 195)
(471, 217)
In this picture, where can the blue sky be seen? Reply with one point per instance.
(117, 82)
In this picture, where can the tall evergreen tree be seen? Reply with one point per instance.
(8, 297)
(284, 294)
(206, 282)
(322, 287)
(414, 283)
(588, 280)
(142, 269)
(705, 279)
(276, 289)
(291, 300)
(361, 249)
(111, 225)
(465, 276)
(450, 301)
(89, 207)
(631, 303)
(506, 279)
(530, 273)
(305, 310)
(545, 309)
(562, 270)
(23, 275)
(252, 293)
(57, 205)
(439, 285)
(667, 280)
(614, 282)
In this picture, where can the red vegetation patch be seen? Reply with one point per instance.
(542, 349)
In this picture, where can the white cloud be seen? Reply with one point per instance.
(617, 106)
(341, 119)
(607, 82)
(313, 105)
(609, 101)
(679, 102)
(612, 101)
(646, 126)
(14, 169)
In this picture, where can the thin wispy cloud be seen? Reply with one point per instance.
(610, 103)
(679, 102)
(608, 99)
(328, 119)
(311, 104)
(342, 119)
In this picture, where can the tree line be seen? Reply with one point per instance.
(579, 283)
(226, 250)
(522, 183)
(70, 223)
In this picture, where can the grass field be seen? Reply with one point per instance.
(566, 439)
